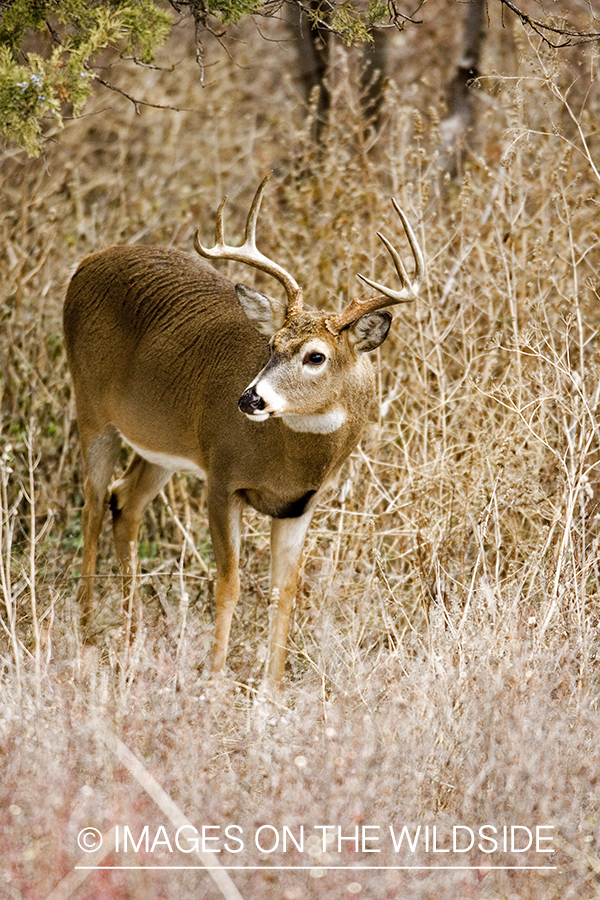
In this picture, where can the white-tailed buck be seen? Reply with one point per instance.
(265, 400)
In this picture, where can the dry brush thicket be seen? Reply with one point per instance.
(445, 648)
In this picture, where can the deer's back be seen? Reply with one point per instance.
(149, 331)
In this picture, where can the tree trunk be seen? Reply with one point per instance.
(461, 107)
(373, 77)
(313, 45)
(313, 52)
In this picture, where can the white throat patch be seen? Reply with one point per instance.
(316, 423)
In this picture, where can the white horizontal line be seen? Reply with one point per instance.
(329, 868)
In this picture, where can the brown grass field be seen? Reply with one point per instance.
(444, 656)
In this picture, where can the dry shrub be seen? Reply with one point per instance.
(444, 653)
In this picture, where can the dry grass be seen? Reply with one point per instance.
(444, 662)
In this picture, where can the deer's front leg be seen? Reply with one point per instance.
(287, 541)
(225, 522)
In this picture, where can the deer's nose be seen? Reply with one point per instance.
(250, 401)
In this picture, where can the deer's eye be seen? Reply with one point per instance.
(314, 358)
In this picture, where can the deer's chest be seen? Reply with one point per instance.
(278, 506)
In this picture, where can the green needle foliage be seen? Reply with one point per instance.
(34, 87)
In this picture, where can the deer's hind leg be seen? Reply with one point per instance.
(130, 496)
(100, 454)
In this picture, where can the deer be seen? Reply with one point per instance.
(264, 399)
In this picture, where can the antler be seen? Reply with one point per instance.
(408, 291)
(248, 252)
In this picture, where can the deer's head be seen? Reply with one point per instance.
(314, 355)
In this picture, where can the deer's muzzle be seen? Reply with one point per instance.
(251, 404)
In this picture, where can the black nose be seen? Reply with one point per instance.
(250, 401)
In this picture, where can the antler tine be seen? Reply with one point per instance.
(250, 236)
(396, 259)
(414, 246)
(248, 252)
(219, 239)
(408, 291)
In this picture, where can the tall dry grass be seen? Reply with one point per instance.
(444, 652)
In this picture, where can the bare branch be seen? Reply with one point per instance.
(146, 65)
(136, 102)
(200, 15)
(396, 15)
(543, 29)
(53, 32)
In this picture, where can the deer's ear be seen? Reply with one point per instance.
(267, 315)
(371, 330)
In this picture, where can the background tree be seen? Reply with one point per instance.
(312, 25)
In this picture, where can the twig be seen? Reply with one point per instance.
(541, 27)
(136, 102)
(167, 805)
